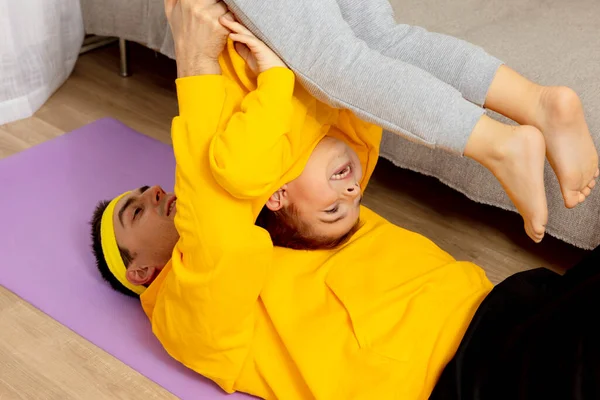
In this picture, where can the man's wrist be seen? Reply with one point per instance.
(198, 67)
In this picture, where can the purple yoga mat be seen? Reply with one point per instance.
(45, 246)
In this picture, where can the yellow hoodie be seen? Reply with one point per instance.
(378, 318)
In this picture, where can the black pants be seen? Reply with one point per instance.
(535, 336)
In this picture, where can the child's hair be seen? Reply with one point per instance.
(288, 230)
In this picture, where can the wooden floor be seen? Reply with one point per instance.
(41, 359)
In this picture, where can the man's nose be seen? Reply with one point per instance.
(156, 194)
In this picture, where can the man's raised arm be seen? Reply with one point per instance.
(204, 311)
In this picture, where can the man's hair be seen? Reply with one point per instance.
(99, 254)
(288, 230)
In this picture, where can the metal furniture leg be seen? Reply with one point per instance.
(124, 64)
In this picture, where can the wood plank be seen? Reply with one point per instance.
(42, 359)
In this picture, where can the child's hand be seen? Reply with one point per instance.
(258, 55)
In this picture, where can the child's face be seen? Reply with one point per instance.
(327, 195)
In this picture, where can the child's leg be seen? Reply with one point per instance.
(312, 37)
(481, 79)
(338, 68)
(463, 65)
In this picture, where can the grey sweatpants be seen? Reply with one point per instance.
(424, 86)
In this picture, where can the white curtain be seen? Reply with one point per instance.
(39, 44)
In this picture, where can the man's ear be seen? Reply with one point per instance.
(140, 274)
(278, 199)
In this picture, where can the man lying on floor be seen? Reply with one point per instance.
(379, 315)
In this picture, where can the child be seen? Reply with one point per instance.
(514, 154)
(433, 89)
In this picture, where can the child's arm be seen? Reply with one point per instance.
(204, 313)
(251, 154)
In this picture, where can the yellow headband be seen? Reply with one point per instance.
(111, 249)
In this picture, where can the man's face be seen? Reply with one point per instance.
(144, 225)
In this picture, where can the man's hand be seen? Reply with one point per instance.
(199, 37)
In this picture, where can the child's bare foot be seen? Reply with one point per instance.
(521, 173)
(570, 149)
(516, 156)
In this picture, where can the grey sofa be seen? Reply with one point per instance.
(553, 42)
